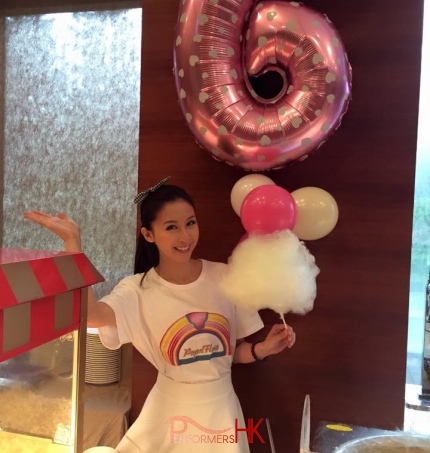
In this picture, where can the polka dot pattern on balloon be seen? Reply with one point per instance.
(220, 46)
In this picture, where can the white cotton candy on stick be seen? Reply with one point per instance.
(273, 271)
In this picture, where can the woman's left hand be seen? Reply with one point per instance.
(278, 339)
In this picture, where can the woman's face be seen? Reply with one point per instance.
(175, 231)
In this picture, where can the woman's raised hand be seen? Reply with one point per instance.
(61, 225)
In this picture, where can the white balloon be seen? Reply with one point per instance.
(244, 185)
(317, 213)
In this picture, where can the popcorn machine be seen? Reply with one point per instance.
(43, 298)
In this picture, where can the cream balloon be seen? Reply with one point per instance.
(244, 185)
(317, 213)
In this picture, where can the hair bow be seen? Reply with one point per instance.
(142, 195)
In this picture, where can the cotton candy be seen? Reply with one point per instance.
(273, 271)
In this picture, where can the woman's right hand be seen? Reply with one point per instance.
(61, 225)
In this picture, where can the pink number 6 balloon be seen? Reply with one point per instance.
(222, 47)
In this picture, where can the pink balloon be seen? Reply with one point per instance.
(267, 209)
(219, 53)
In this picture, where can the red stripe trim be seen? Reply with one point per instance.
(37, 342)
(7, 296)
(42, 317)
(48, 276)
(1, 331)
(86, 269)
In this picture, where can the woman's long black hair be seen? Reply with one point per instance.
(147, 255)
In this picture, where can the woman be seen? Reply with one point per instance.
(173, 312)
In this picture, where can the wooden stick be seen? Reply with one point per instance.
(272, 445)
(283, 320)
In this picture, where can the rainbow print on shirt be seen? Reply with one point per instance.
(196, 336)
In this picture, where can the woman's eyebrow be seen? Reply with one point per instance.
(175, 221)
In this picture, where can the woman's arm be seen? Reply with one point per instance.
(276, 341)
(99, 313)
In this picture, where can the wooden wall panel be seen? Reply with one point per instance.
(350, 354)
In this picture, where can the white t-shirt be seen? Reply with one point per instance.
(188, 332)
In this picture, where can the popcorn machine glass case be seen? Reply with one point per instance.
(42, 349)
